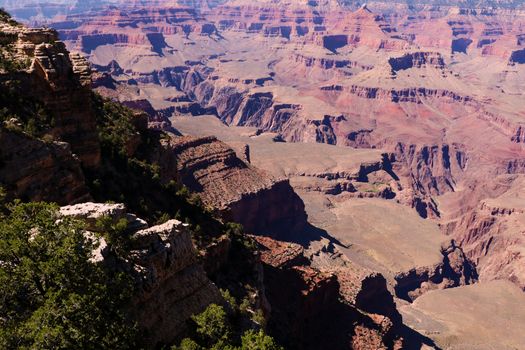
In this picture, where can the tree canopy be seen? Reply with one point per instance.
(52, 295)
(214, 331)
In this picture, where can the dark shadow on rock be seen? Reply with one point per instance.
(414, 340)
(309, 234)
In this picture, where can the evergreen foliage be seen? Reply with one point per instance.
(213, 331)
(53, 296)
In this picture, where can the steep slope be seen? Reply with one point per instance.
(59, 83)
(165, 266)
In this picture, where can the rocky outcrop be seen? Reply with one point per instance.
(264, 110)
(491, 234)
(241, 192)
(417, 60)
(455, 270)
(171, 285)
(432, 170)
(432, 166)
(61, 83)
(174, 286)
(89, 213)
(35, 170)
(316, 308)
(328, 62)
(410, 95)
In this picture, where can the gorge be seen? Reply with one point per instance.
(373, 154)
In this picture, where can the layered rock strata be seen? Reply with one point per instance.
(61, 82)
(241, 192)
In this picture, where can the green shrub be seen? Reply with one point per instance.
(214, 331)
(212, 325)
(253, 340)
(53, 296)
(115, 234)
(258, 318)
(187, 344)
(162, 218)
(245, 306)
(115, 124)
(232, 306)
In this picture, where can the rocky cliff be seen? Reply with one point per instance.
(241, 192)
(489, 234)
(338, 308)
(171, 284)
(47, 165)
(60, 82)
(35, 170)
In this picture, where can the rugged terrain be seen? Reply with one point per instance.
(380, 139)
(66, 144)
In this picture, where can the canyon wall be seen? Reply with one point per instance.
(61, 83)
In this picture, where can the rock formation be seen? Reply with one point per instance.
(36, 170)
(241, 192)
(308, 312)
(61, 83)
(171, 284)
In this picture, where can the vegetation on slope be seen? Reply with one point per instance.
(213, 330)
(52, 295)
(134, 181)
(22, 113)
(6, 17)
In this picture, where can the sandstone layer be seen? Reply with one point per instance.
(241, 192)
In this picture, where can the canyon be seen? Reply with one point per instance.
(176, 268)
(375, 152)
